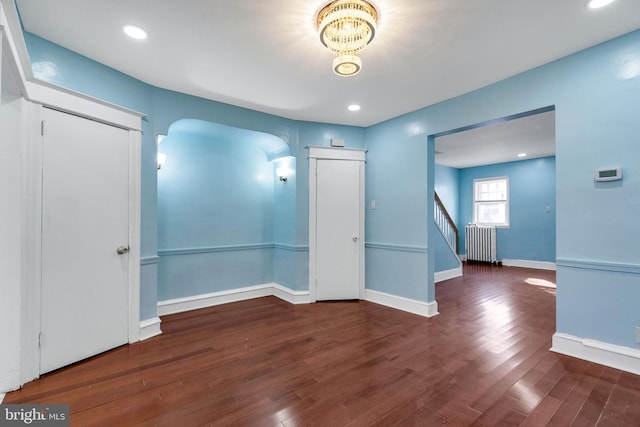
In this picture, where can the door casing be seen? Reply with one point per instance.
(40, 96)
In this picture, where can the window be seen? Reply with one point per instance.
(491, 201)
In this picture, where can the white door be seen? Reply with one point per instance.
(338, 230)
(84, 300)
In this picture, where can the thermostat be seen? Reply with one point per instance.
(608, 174)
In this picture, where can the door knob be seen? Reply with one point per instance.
(122, 250)
(355, 238)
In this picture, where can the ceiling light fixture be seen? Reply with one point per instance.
(595, 4)
(134, 32)
(522, 155)
(353, 107)
(346, 27)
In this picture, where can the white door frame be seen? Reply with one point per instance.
(330, 153)
(42, 96)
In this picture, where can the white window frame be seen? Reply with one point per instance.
(477, 203)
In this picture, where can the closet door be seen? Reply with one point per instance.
(336, 224)
(85, 203)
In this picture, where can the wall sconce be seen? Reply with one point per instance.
(282, 174)
(162, 158)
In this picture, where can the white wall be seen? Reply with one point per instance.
(11, 114)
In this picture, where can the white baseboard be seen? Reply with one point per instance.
(540, 265)
(1, 397)
(150, 328)
(195, 302)
(441, 276)
(618, 357)
(291, 296)
(179, 305)
(427, 309)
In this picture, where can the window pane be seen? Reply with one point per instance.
(491, 201)
(491, 213)
(491, 190)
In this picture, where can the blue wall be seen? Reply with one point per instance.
(215, 209)
(396, 258)
(65, 68)
(531, 234)
(282, 256)
(596, 95)
(447, 184)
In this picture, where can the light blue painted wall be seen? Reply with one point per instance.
(611, 288)
(532, 189)
(148, 287)
(289, 201)
(396, 259)
(286, 250)
(596, 94)
(215, 193)
(445, 258)
(65, 68)
(446, 184)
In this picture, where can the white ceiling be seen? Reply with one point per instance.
(265, 55)
(498, 143)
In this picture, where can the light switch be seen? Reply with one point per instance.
(373, 204)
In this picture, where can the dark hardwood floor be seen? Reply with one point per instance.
(484, 361)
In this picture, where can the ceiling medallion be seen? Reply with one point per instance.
(346, 27)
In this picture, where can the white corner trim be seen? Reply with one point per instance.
(150, 328)
(618, 357)
(291, 296)
(440, 276)
(427, 309)
(1, 397)
(540, 265)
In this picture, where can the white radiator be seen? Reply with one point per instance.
(481, 243)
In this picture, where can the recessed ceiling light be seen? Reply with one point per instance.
(353, 107)
(522, 155)
(134, 32)
(595, 4)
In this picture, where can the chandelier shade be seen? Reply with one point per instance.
(345, 28)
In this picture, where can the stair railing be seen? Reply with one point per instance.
(445, 223)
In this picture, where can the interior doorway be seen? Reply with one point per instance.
(520, 147)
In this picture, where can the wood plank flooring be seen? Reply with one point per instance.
(484, 361)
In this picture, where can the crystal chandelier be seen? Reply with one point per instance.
(346, 27)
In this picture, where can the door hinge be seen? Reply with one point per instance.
(42, 128)
(40, 340)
